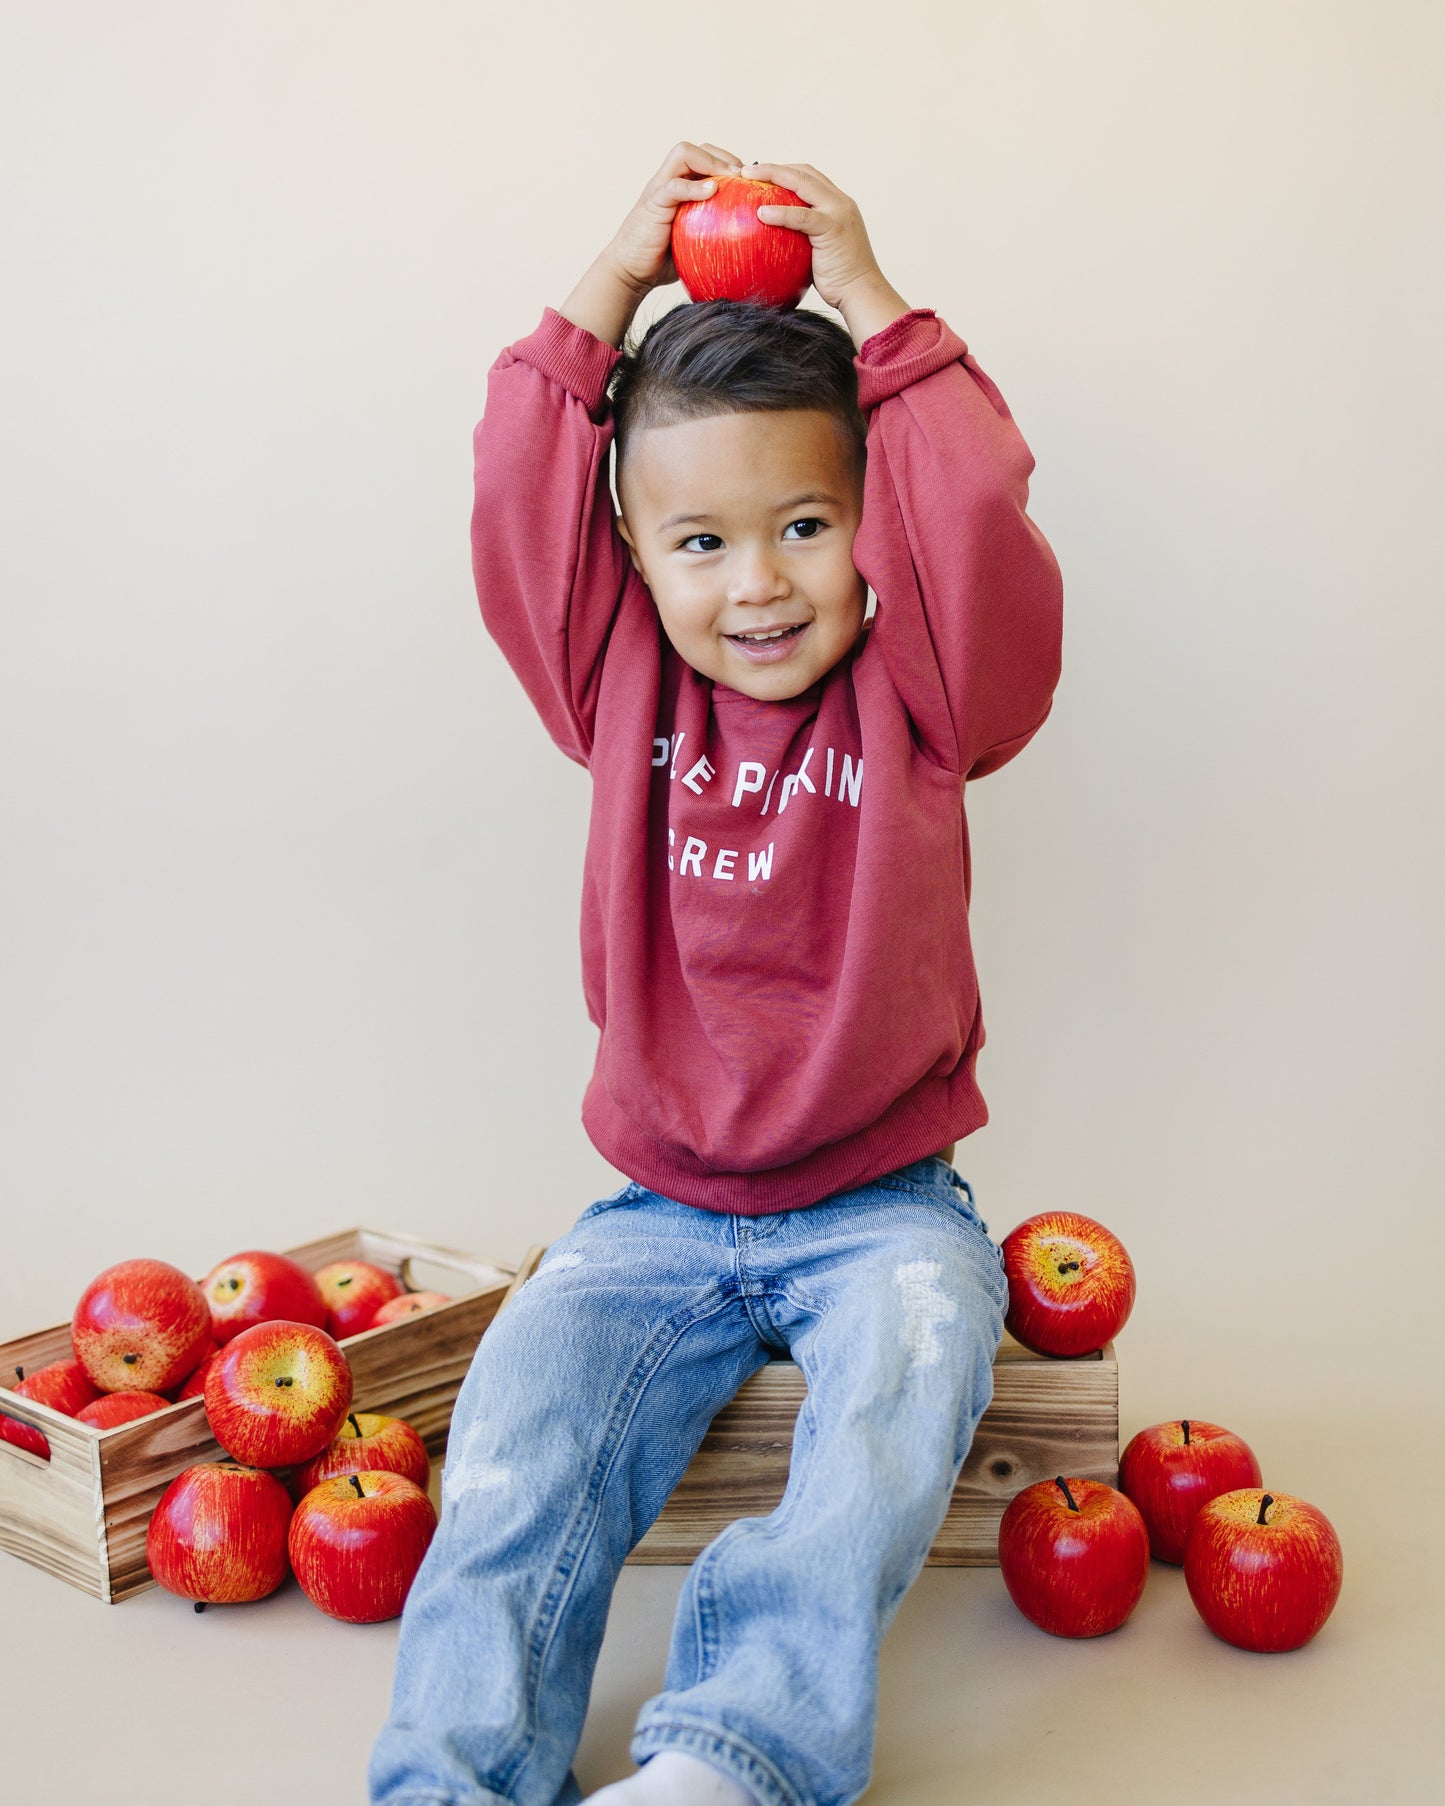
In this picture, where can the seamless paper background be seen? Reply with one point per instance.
(290, 878)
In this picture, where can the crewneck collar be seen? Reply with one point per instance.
(725, 693)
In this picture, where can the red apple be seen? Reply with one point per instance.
(366, 1442)
(407, 1305)
(112, 1408)
(195, 1383)
(356, 1542)
(1171, 1469)
(1074, 1555)
(1263, 1569)
(218, 1534)
(63, 1385)
(1070, 1283)
(721, 250)
(355, 1291)
(277, 1393)
(258, 1286)
(140, 1326)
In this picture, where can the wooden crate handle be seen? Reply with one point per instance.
(524, 1272)
(488, 1273)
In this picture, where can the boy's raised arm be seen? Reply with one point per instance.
(548, 563)
(970, 599)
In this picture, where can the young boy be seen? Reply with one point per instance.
(775, 949)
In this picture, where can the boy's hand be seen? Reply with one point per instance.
(845, 271)
(641, 251)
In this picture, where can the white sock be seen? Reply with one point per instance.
(672, 1779)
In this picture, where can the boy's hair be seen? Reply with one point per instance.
(737, 357)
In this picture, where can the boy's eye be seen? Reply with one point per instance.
(808, 520)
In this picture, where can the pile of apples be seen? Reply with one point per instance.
(1262, 1568)
(259, 1340)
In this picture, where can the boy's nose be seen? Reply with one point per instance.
(756, 579)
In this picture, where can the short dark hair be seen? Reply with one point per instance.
(736, 357)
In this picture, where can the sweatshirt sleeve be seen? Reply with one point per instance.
(969, 613)
(548, 562)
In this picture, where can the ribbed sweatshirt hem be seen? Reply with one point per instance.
(924, 1120)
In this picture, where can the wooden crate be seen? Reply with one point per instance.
(82, 1515)
(1046, 1417)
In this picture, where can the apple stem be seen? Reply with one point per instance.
(355, 1480)
(1264, 1506)
(1062, 1483)
(20, 1373)
(351, 1419)
(200, 1605)
(1186, 1430)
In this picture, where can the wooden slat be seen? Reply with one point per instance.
(49, 1509)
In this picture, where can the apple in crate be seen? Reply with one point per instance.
(365, 1442)
(1171, 1469)
(1263, 1569)
(1074, 1556)
(277, 1393)
(196, 1381)
(63, 1385)
(355, 1291)
(407, 1305)
(257, 1287)
(140, 1326)
(356, 1542)
(1070, 1283)
(721, 250)
(218, 1534)
(113, 1408)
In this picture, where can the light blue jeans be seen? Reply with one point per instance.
(585, 1402)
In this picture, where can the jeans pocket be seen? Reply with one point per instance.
(959, 1197)
(959, 1194)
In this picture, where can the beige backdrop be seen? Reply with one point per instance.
(290, 885)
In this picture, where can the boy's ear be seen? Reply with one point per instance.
(621, 525)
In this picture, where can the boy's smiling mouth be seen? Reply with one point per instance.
(775, 642)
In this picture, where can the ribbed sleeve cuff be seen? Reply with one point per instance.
(907, 349)
(571, 356)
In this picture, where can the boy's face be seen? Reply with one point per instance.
(772, 502)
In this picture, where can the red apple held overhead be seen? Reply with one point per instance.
(366, 1442)
(1074, 1554)
(407, 1305)
(721, 250)
(1171, 1469)
(113, 1408)
(258, 1286)
(141, 1325)
(218, 1534)
(1070, 1281)
(356, 1542)
(1263, 1569)
(355, 1291)
(63, 1385)
(277, 1393)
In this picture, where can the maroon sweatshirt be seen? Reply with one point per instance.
(775, 940)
